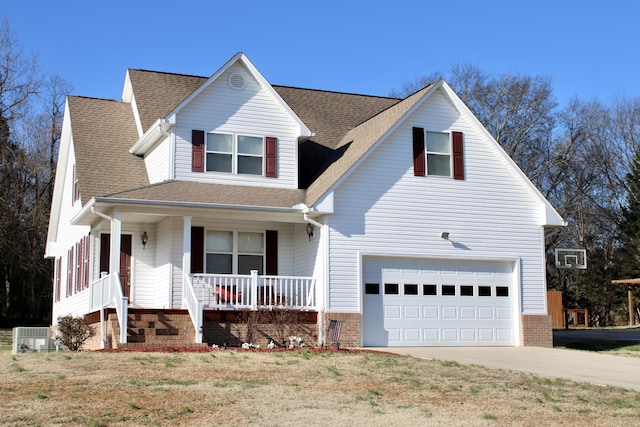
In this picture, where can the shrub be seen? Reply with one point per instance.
(74, 331)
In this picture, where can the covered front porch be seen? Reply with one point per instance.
(198, 262)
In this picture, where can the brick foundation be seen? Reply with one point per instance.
(350, 331)
(536, 330)
(145, 328)
(233, 328)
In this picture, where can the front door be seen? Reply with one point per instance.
(125, 260)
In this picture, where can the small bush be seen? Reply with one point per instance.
(74, 331)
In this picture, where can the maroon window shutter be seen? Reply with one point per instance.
(271, 252)
(197, 250)
(70, 271)
(418, 152)
(197, 151)
(87, 254)
(458, 155)
(271, 157)
(79, 271)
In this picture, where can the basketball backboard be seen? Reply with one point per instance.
(571, 258)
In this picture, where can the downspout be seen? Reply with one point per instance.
(103, 332)
(320, 226)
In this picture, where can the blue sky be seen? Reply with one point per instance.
(589, 49)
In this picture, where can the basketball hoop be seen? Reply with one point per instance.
(571, 258)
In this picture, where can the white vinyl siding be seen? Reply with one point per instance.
(252, 111)
(492, 214)
(67, 237)
(157, 162)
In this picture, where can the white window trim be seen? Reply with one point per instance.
(234, 153)
(427, 152)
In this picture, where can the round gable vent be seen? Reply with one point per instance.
(237, 81)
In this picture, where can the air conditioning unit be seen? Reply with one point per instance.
(28, 339)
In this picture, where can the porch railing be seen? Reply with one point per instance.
(106, 293)
(194, 306)
(236, 291)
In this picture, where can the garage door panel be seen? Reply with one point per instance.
(411, 312)
(431, 335)
(503, 313)
(449, 312)
(412, 335)
(486, 335)
(430, 312)
(467, 313)
(485, 313)
(468, 335)
(456, 303)
(449, 335)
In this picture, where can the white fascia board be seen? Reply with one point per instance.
(549, 217)
(66, 140)
(304, 130)
(156, 133)
(169, 207)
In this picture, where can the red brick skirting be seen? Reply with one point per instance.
(350, 331)
(536, 330)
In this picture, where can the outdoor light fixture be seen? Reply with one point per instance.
(145, 239)
(445, 235)
(310, 230)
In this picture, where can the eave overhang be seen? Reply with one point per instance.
(156, 133)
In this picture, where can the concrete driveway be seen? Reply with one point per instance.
(575, 365)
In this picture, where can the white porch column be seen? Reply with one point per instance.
(114, 256)
(186, 254)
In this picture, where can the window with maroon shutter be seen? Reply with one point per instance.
(458, 155)
(271, 157)
(418, 152)
(197, 151)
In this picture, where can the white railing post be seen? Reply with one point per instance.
(254, 289)
(124, 311)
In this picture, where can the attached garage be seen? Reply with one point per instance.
(410, 302)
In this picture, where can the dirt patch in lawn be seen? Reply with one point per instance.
(300, 387)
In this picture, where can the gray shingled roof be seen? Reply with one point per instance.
(197, 192)
(103, 132)
(360, 140)
(157, 94)
(345, 125)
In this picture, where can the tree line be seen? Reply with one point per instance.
(31, 111)
(583, 157)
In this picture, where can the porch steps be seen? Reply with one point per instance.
(147, 329)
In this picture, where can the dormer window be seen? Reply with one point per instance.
(230, 153)
(234, 153)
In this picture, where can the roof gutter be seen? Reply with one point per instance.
(156, 133)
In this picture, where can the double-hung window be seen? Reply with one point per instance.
(234, 252)
(239, 154)
(438, 153)
(438, 145)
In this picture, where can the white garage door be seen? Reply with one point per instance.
(437, 303)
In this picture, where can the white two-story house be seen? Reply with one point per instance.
(193, 199)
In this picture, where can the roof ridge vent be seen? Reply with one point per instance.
(237, 81)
